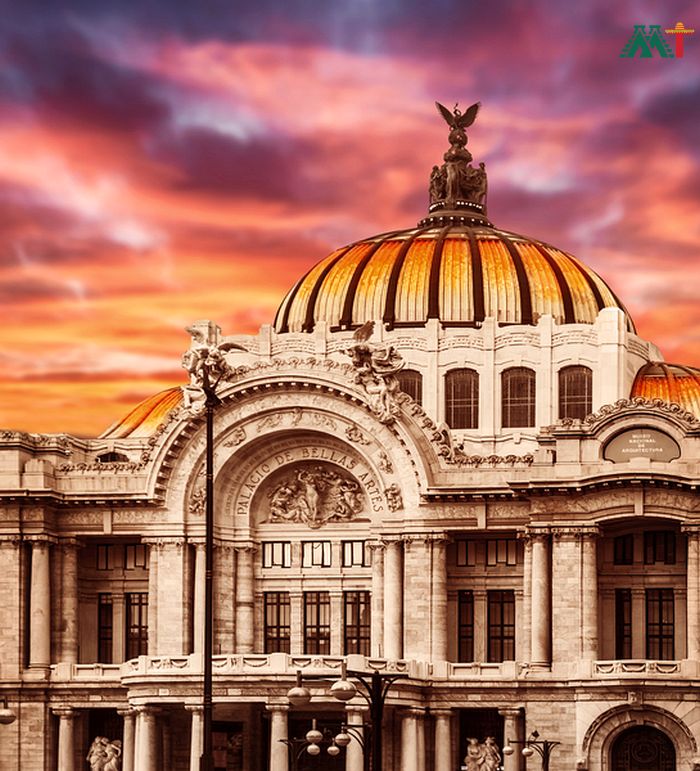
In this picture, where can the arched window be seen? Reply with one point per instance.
(575, 389)
(518, 397)
(462, 398)
(411, 382)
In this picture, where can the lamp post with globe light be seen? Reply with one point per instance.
(533, 744)
(375, 686)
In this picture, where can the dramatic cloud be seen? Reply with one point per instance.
(170, 162)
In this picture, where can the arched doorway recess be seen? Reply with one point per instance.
(642, 748)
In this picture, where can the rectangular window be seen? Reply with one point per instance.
(136, 624)
(465, 626)
(105, 556)
(316, 554)
(624, 549)
(105, 628)
(501, 625)
(357, 622)
(277, 622)
(277, 554)
(317, 623)
(466, 553)
(356, 554)
(623, 623)
(501, 551)
(659, 546)
(135, 556)
(660, 624)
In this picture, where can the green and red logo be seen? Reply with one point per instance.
(647, 41)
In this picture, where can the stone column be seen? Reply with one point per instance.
(337, 625)
(443, 739)
(409, 740)
(639, 614)
(69, 600)
(589, 594)
(40, 606)
(128, 739)
(377, 614)
(481, 623)
(199, 592)
(512, 732)
(279, 754)
(66, 738)
(354, 756)
(541, 600)
(420, 740)
(245, 600)
(393, 600)
(693, 592)
(439, 600)
(147, 740)
(523, 642)
(152, 598)
(196, 735)
(296, 622)
(166, 742)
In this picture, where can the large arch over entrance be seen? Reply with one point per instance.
(611, 725)
(642, 748)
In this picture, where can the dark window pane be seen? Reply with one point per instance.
(624, 549)
(465, 626)
(357, 623)
(411, 383)
(317, 623)
(277, 622)
(575, 392)
(462, 398)
(623, 624)
(105, 628)
(501, 625)
(660, 546)
(136, 624)
(660, 624)
(518, 397)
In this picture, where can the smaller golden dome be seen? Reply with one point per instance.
(673, 383)
(145, 418)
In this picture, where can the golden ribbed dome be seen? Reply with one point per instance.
(145, 418)
(452, 269)
(671, 383)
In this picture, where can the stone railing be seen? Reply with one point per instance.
(637, 667)
(505, 670)
(85, 673)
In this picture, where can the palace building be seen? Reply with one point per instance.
(450, 458)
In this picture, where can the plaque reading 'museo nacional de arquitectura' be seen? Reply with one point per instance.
(450, 458)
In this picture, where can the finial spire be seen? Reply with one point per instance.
(457, 189)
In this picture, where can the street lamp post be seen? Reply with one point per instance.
(206, 363)
(533, 744)
(311, 744)
(375, 687)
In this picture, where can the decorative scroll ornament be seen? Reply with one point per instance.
(375, 370)
(206, 363)
(105, 755)
(457, 182)
(354, 434)
(482, 756)
(314, 495)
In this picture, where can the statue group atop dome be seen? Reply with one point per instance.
(457, 181)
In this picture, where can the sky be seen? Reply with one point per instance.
(164, 161)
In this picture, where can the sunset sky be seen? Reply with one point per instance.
(169, 160)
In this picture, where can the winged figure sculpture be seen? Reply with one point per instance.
(457, 119)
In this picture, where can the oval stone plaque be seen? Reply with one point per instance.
(641, 443)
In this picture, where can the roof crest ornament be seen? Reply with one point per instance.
(457, 189)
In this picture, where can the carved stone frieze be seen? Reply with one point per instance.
(315, 494)
(197, 502)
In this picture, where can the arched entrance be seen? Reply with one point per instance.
(642, 748)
